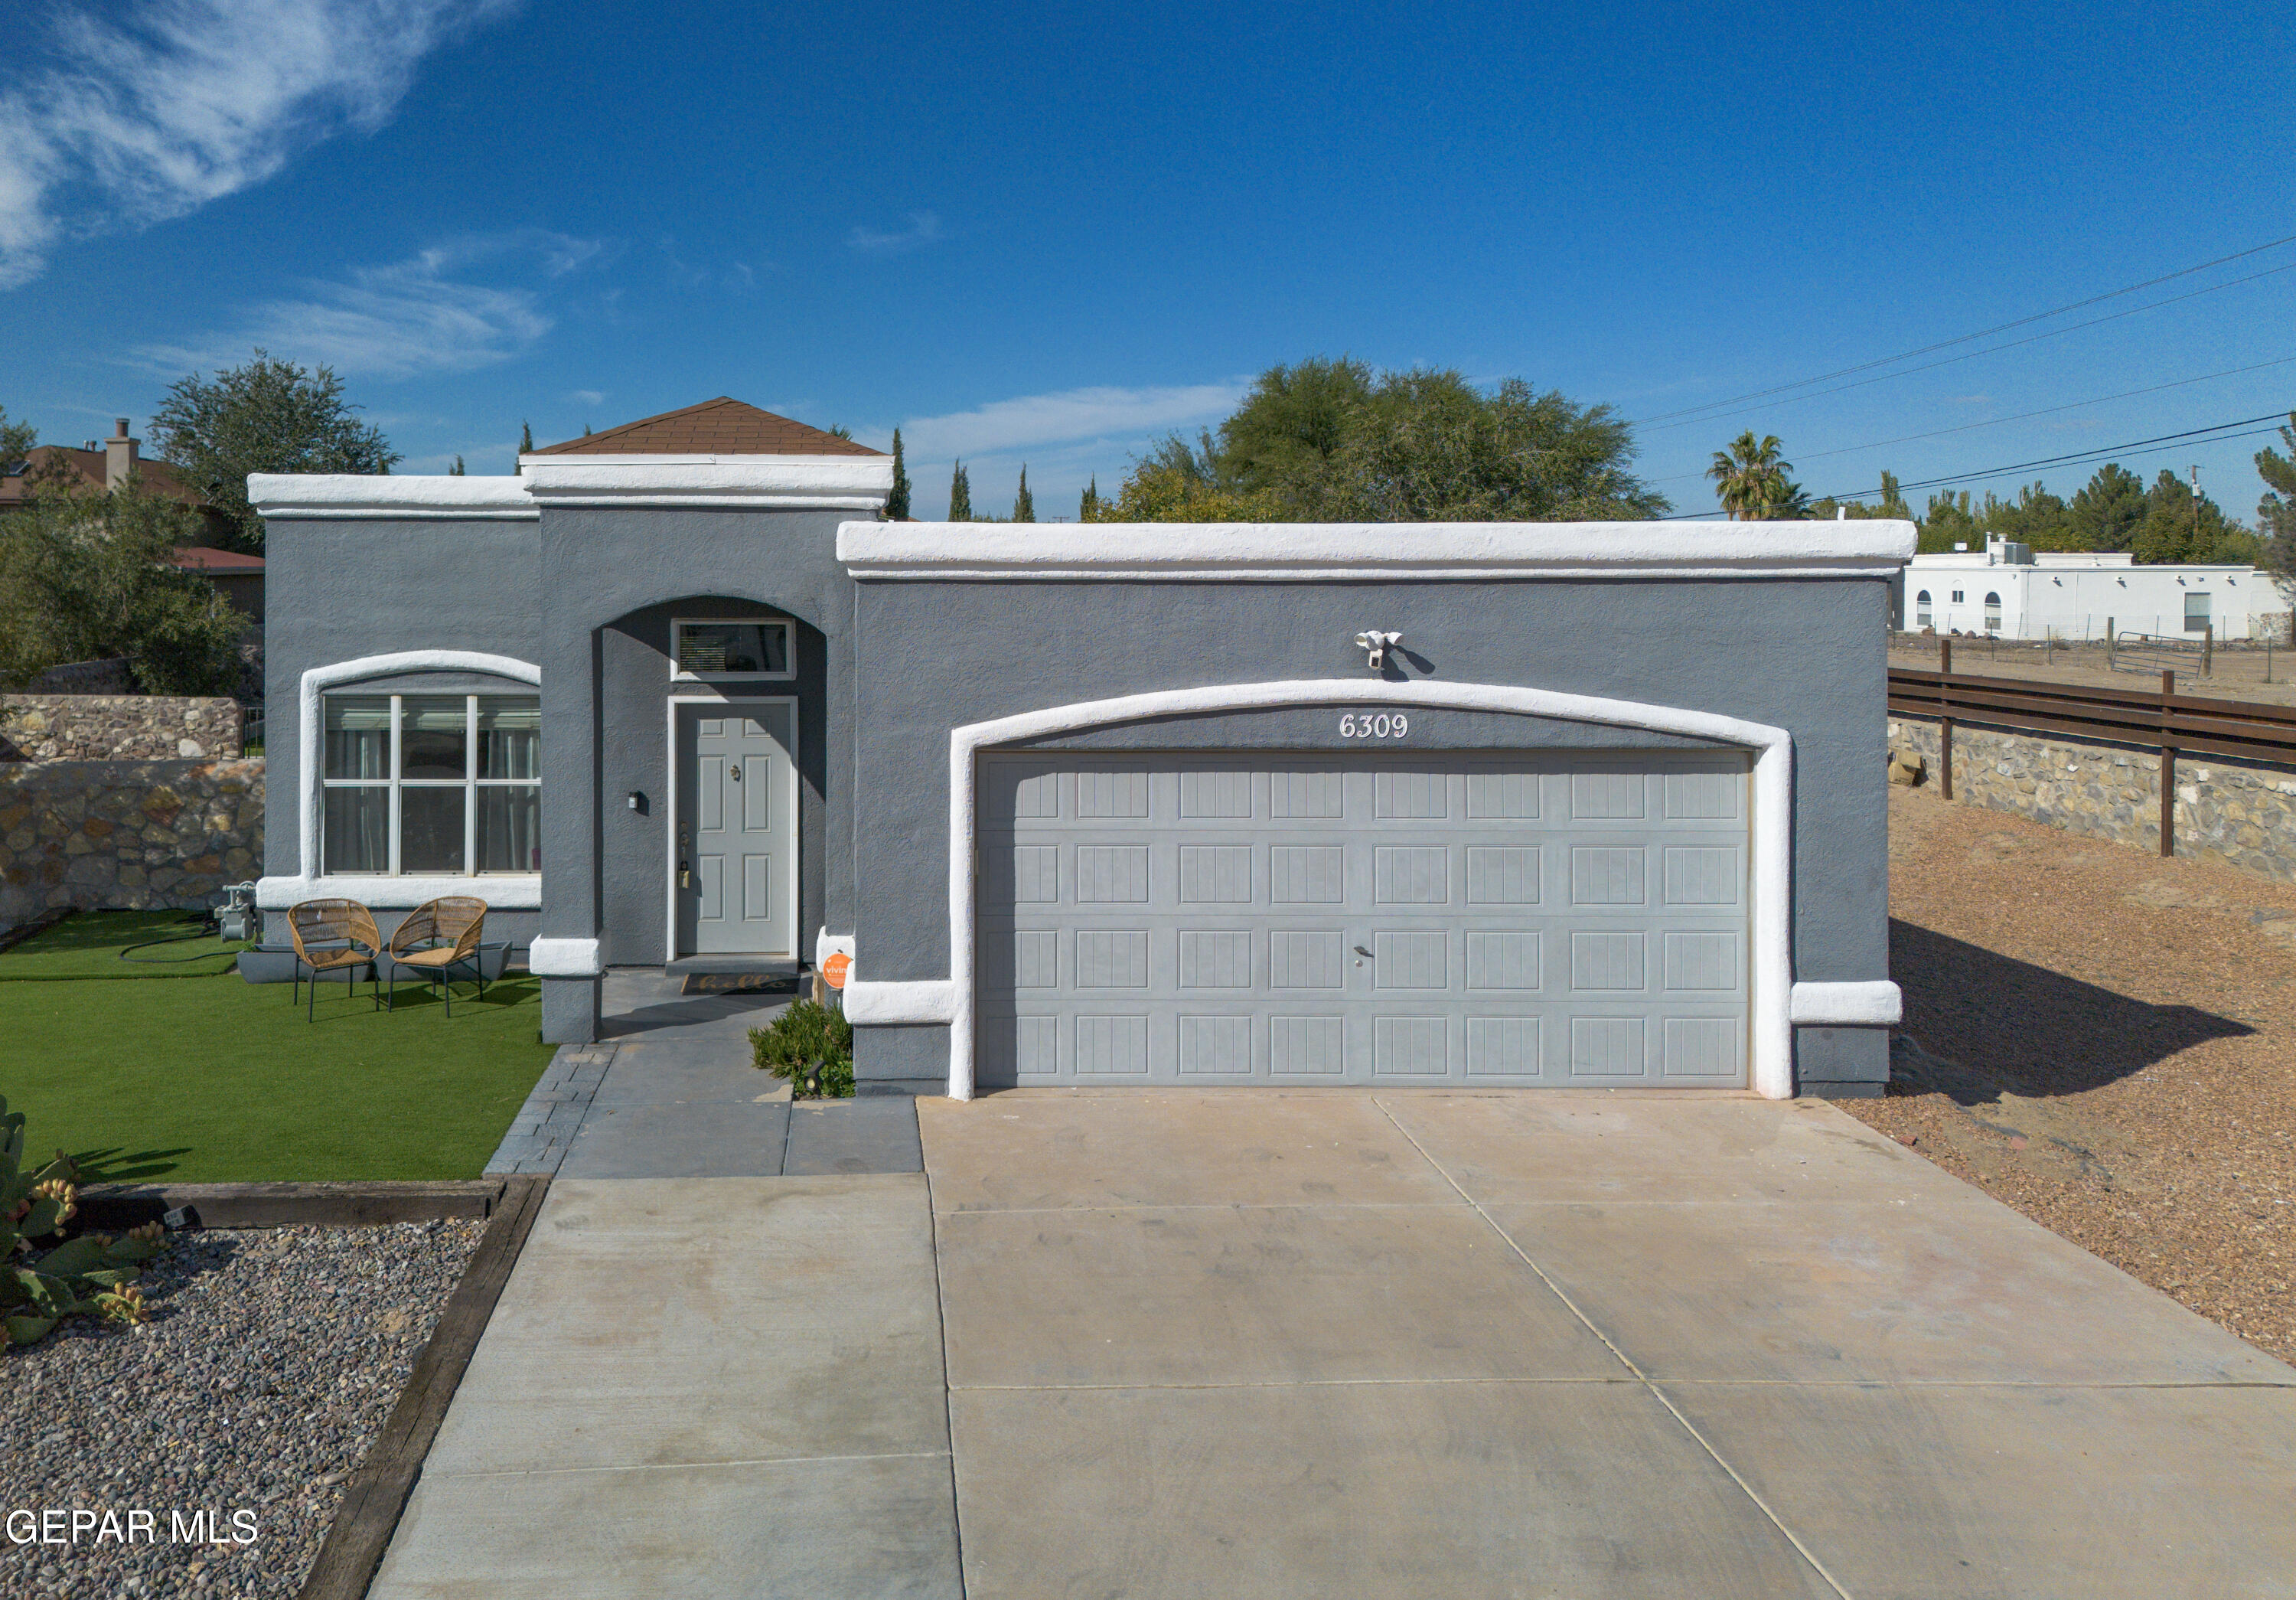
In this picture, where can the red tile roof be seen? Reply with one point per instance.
(206, 558)
(718, 427)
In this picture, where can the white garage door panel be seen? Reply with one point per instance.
(1487, 917)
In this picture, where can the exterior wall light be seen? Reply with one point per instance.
(1375, 644)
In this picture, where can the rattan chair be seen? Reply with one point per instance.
(437, 935)
(333, 936)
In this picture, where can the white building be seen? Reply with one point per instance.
(2018, 593)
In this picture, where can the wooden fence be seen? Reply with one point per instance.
(2167, 722)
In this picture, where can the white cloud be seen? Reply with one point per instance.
(132, 122)
(398, 319)
(589, 396)
(1071, 413)
(924, 229)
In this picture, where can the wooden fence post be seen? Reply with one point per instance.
(1944, 719)
(2208, 649)
(2168, 770)
(2108, 643)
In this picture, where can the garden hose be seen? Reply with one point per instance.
(200, 926)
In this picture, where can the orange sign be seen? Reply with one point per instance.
(835, 968)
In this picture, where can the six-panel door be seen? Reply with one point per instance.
(736, 856)
(1488, 917)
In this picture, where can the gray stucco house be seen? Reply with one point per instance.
(1537, 804)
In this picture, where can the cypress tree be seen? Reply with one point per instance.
(1024, 504)
(457, 470)
(525, 446)
(897, 504)
(960, 495)
(1091, 503)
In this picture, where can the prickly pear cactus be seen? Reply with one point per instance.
(92, 1275)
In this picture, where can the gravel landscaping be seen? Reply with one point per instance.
(271, 1361)
(2106, 1041)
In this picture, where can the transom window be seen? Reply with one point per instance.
(437, 784)
(740, 650)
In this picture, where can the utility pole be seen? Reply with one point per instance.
(2196, 511)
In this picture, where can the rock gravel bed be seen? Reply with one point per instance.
(271, 1362)
(2105, 1041)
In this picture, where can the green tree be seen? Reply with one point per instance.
(1024, 504)
(1325, 441)
(84, 574)
(1752, 479)
(897, 504)
(525, 448)
(2036, 517)
(458, 469)
(2180, 526)
(16, 442)
(268, 416)
(1947, 523)
(960, 495)
(1088, 508)
(2275, 514)
(2105, 512)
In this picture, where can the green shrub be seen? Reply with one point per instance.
(92, 1275)
(809, 1045)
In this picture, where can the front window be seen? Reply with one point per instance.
(2196, 613)
(437, 784)
(732, 649)
(1992, 613)
(1922, 609)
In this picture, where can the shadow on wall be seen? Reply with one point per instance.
(2025, 1029)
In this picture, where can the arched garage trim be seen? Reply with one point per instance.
(1770, 832)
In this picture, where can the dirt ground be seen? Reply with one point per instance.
(2105, 1041)
(2237, 671)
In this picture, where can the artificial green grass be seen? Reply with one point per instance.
(88, 946)
(215, 1080)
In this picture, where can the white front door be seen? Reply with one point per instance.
(736, 843)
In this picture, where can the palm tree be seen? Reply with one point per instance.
(1750, 480)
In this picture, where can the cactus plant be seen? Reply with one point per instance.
(91, 1275)
(811, 1046)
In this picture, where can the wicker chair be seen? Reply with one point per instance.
(437, 935)
(333, 936)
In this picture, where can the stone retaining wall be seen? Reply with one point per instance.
(2225, 810)
(119, 727)
(137, 835)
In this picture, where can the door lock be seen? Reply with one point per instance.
(684, 877)
(1362, 955)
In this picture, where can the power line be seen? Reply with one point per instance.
(2020, 416)
(2165, 441)
(2011, 345)
(1967, 338)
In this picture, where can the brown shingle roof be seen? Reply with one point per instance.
(86, 468)
(718, 427)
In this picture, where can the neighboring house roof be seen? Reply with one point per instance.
(205, 558)
(86, 469)
(718, 427)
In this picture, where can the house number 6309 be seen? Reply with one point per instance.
(1365, 724)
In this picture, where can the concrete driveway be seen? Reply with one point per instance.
(1231, 1344)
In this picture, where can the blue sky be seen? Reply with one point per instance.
(1049, 234)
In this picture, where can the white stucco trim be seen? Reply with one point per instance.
(563, 958)
(893, 1004)
(1275, 551)
(1769, 828)
(521, 891)
(338, 497)
(308, 884)
(802, 482)
(1875, 1004)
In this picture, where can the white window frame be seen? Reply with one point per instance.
(669, 830)
(789, 650)
(1956, 597)
(470, 783)
(1922, 609)
(1992, 610)
(2206, 614)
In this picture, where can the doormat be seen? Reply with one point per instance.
(739, 983)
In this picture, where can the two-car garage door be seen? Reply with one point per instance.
(1478, 918)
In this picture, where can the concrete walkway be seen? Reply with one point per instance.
(1345, 1344)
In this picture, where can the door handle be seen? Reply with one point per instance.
(735, 772)
(684, 877)
(1361, 951)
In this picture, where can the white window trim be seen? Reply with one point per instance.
(789, 650)
(1769, 835)
(520, 892)
(669, 830)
